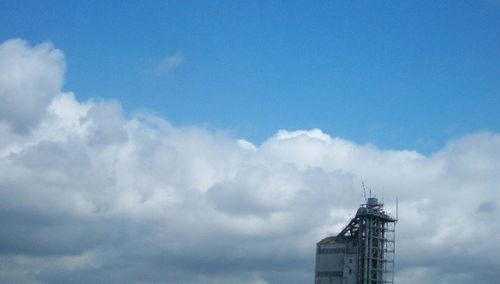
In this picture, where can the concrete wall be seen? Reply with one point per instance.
(350, 268)
(330, 263)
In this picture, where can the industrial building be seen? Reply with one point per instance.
(363, 252)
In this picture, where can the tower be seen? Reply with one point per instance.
(362, 253)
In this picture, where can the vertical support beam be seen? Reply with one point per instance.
(366, 260)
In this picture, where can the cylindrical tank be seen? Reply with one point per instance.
(372, 201)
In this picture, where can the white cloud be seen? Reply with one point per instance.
(29, 78)
(171, 62)
(91, 195)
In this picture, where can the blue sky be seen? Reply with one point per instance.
(405, 75)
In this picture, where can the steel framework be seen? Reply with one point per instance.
(372, 232)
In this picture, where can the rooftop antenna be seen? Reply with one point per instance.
(397, 215)
(364, 190)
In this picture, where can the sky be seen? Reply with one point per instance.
(217, 142)
(407, 75)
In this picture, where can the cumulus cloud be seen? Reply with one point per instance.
(29, 78)
(91, 196)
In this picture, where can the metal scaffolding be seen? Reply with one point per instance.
(374, 232)
(370, 237)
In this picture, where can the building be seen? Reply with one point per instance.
(363, 252)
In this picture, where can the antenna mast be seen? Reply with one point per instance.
(364, 190)
(397, 217)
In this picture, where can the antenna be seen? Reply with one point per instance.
(364, 190)
(397, 209)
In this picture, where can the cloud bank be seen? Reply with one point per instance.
(89, 195)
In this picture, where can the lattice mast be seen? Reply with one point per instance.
(373, 231)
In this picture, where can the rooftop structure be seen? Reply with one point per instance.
(363, 252)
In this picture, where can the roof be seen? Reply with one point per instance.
(327, 240)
